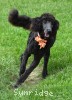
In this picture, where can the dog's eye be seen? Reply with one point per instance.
(44, 21)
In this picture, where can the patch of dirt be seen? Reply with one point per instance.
(35, 76)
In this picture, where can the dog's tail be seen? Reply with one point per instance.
(22, 21)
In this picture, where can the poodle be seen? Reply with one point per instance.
(45, 28)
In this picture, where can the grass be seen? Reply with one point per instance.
(58, 85)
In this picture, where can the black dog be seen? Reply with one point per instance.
(46, 26)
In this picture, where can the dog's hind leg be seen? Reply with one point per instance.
(24, 58)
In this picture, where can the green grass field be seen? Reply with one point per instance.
(58, 85)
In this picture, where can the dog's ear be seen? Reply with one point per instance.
(19, 20)
(36, 24)
(56, 24)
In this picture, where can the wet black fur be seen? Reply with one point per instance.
(34, 25)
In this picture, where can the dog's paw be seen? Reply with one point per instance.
(15, 86)
(44, 74)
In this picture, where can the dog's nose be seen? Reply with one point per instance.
(49, 31)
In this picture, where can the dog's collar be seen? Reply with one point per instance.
(41, 42)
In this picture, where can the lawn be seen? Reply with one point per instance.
(58, 85)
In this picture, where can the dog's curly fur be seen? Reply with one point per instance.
(34, 25)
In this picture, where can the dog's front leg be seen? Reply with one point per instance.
(28, 71)
(46, 58)
(24, 59)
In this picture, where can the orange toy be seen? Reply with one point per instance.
(41, 41)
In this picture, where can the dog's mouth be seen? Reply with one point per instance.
(46, 35)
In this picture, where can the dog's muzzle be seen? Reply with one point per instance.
(47, 29)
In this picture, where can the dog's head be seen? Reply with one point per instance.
(46, 24)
